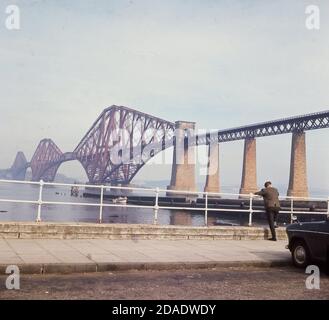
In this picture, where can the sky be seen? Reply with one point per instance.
(219, 63)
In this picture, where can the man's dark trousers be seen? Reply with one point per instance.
(272, 213)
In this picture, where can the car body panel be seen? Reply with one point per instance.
(315, 235)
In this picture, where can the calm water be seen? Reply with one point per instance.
(71, 213)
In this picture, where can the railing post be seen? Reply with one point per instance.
(328, 208)
(250, 209)
(206, 210)
(101, 205)
(291, 209)
(41, 183)
(156, 206)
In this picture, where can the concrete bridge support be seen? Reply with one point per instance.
(298, 176)
(183, 167)
(212, 180)
(249, 171)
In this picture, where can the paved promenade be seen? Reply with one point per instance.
(65, 256)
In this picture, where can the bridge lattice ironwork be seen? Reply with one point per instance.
(122, 140)
(319, 120)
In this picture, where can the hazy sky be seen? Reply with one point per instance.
(218, 63)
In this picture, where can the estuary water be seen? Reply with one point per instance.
(78, 213)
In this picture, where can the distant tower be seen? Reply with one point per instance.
(19, 167)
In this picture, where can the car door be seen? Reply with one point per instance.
(326, 230)
(319, 237)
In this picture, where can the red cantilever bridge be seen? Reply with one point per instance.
(145, 136)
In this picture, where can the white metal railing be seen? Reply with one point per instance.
(156, 207)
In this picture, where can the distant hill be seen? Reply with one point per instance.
(61, 178)
(4, 174)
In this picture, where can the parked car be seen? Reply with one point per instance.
(309, 242)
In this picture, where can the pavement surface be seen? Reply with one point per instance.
(283, 283)
(67, 256)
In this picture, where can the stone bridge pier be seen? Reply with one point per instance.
(249, 169)
(183, 167)
(298, 173)
(212, 179)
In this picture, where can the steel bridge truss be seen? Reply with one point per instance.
(111, 150)
(45, 161)
(122, 140)
(303, 123)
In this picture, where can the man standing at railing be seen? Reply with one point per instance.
(272, 205)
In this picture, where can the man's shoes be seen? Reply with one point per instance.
(272, 239)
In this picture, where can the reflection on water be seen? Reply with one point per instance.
(181, 218)
(75, 213)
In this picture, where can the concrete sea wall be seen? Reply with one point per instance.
(47, 230)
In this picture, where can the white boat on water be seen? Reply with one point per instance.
(121, 200)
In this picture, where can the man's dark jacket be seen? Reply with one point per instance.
(271, 197)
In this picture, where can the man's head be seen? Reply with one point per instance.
(268, 184)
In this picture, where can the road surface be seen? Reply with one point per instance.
(221, 283)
